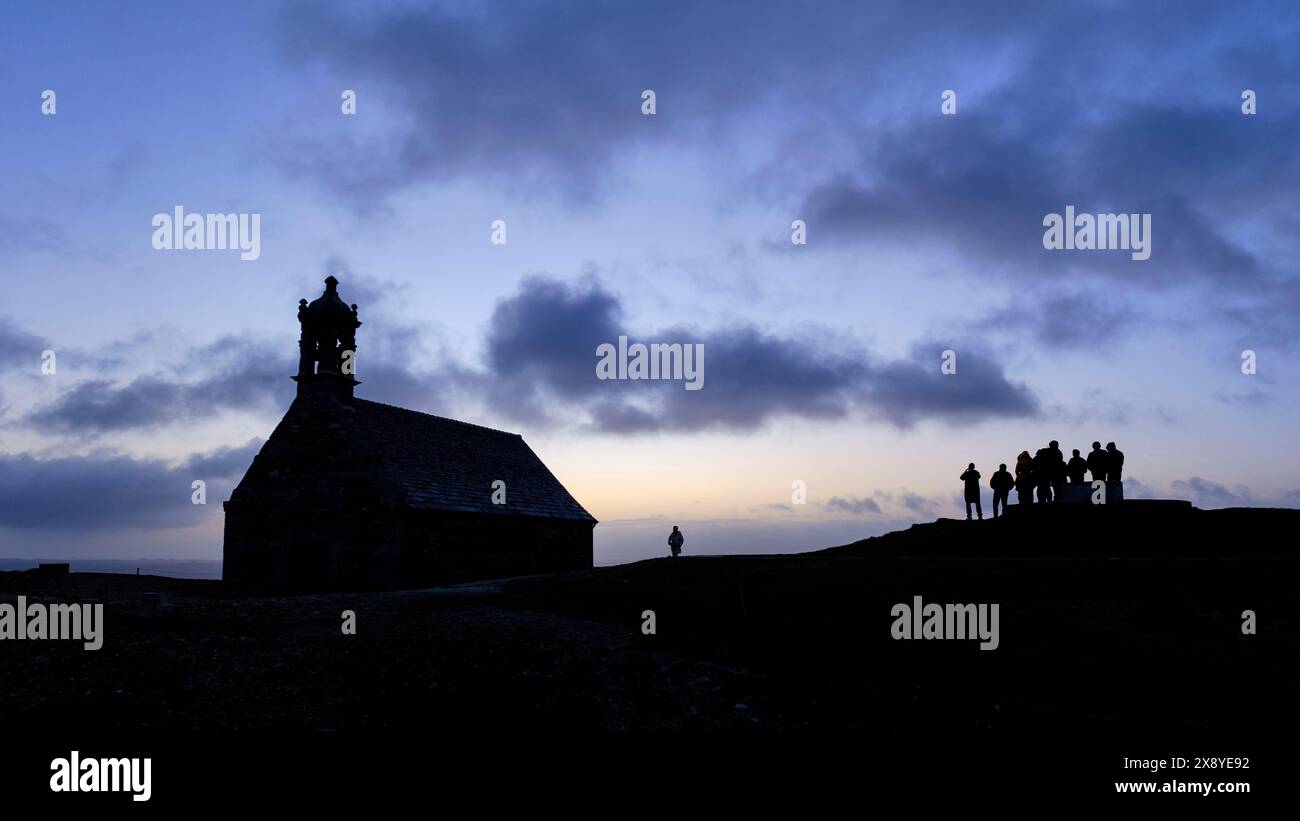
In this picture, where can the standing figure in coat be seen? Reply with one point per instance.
(1025, 478)
(1097, 462)
(1076, 468)
(972, 479)
(1001, 482)
(1114, 462)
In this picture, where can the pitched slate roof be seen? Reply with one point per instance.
(443, 464)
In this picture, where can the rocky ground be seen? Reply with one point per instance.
(1101, 645)
(441, 659)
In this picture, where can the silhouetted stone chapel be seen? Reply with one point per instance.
(349, 494)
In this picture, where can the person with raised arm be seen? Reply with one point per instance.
(972, 479)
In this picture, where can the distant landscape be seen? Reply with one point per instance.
(173, 568)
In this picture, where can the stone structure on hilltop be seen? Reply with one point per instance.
(1082, 493)
(349, 494)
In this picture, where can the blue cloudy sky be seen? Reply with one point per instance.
(924, 233)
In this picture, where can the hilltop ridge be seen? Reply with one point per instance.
(1156, 528)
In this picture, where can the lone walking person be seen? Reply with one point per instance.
(972, 479)
(675, 541)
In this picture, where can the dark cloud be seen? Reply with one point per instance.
(509, 95)
(238, 373)
(959, 182)
(981, 188)
(21, 350)
(1055, 131)
(617, 416)
(918, 504)
(230, 373)
(114, 491)
(548, 333)
(544, 97)
(540, 363)
(1205, 493)
(853, 505)
(1055, 319)
(1264, 313)
(922, 506)
(752, 376)
(1134, 489)
(1095, 406)
(542, 345)
(223, 463)
(99, 405)
(547, 96)
(905, 392)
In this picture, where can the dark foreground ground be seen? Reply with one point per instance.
(1089, 645)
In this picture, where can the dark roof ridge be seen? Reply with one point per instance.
(435, 416)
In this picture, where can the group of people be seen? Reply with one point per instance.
(1045, 472)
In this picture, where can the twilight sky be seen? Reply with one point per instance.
(822, 361)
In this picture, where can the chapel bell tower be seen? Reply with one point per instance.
(328, 345)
